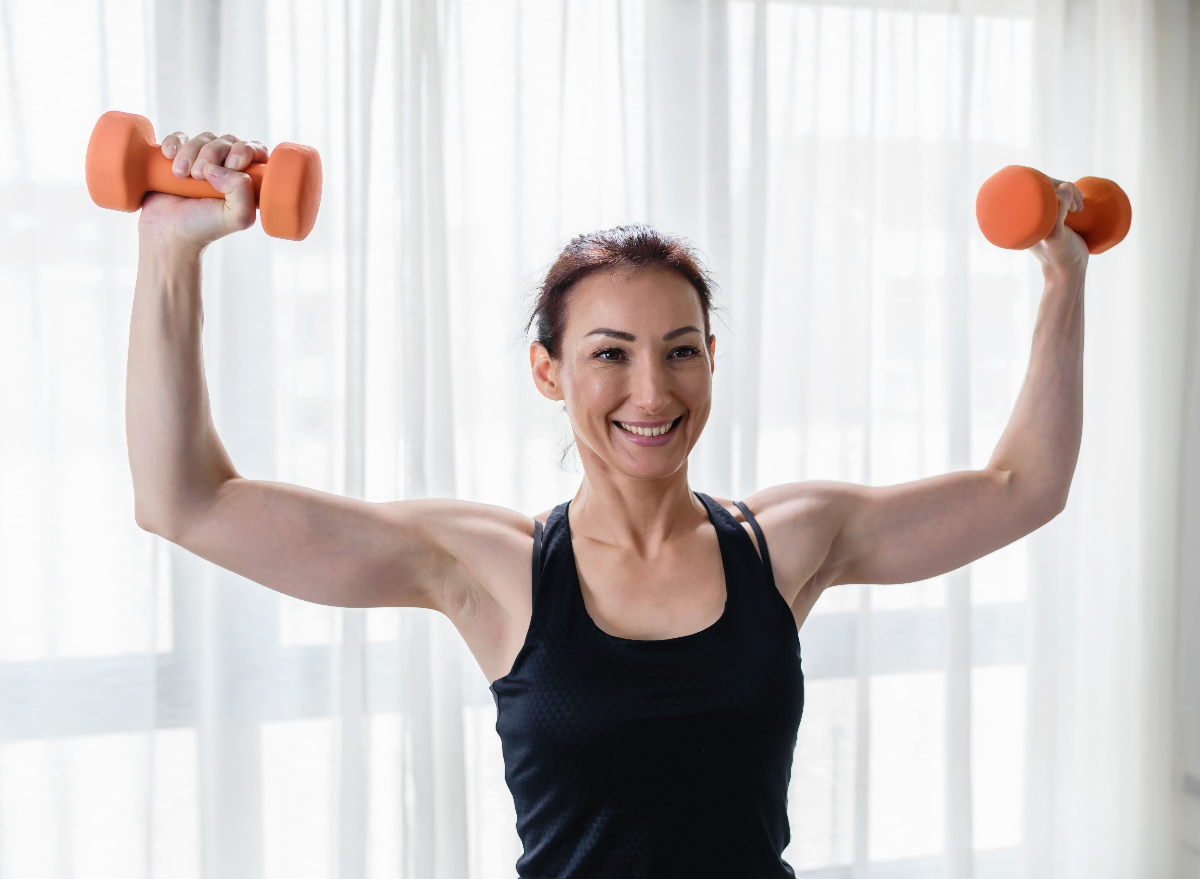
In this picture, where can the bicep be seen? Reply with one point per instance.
(334, 550)
(916, 530)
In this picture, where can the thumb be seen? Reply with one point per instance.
(1065, 193)
(238, 189)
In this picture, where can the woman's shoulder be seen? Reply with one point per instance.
(480, 543)
(792, 514)
(808, 500)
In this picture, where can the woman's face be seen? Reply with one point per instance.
(635, 371)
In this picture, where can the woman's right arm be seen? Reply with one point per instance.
(310, 544)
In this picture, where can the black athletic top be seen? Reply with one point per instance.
(662, 758)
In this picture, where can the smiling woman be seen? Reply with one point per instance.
(640, 639)
(654, 612)
(653, 388)
(625, 254)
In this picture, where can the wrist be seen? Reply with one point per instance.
(1060, 275)
(166, 249)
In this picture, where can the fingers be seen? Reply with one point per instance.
(1072, 191)
(172, 142)
(1070, 199)
(191, 156)
(185, 155)
(1076, 198)
(243, 152)
(1064, 204)
(238, 189)
(215, 151)
(230, 152)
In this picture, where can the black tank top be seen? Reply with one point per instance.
(663, 758)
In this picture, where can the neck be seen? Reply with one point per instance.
(641, 514)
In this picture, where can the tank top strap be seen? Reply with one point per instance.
(553, 567)
(537, 556)
(738, 539)
(762, 541)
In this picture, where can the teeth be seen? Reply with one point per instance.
(645, 431)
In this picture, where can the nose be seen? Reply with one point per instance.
(651, 386)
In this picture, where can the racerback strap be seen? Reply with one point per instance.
(537, 555)
(762, 541)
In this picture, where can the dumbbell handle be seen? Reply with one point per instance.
(160, 178)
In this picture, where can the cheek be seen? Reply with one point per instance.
(596, 392)
(696, 387)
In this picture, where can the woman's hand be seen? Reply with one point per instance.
(194, 223)
(1063, 251)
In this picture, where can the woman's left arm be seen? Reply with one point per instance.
(829, 533)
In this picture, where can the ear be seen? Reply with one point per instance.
(712, 352)
(545, 372)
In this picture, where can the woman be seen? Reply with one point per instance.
(641, 640)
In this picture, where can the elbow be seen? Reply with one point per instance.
(1060, 502)
(1037, 505)
(171, 512)
(142, 519)
(1048, 506)
(151, 522)
(158, 519)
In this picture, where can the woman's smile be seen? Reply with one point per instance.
(649, 433)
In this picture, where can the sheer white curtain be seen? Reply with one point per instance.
(1033, 713)
(1113, 787)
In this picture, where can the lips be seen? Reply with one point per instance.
(649, 433)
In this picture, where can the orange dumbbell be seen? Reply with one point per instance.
(124, 163)
(1016, 208)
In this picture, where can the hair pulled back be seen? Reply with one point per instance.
(624, 247)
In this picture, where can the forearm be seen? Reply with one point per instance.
(176, 458)
(1040, 446)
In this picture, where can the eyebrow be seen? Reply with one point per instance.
(630, 337)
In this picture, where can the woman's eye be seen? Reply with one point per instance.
(610, 354)
(685, 351)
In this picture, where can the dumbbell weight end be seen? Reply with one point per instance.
(1016, 207)
(290, 192)
(1106, 216)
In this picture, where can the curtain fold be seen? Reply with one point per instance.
(361, 35)
(1032, 714)
(1120, 102)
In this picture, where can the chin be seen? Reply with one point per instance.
(649, 464)
(650, 472)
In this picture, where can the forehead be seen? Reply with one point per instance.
(624, 299)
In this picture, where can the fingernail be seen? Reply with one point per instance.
(182, 166)
(215, 169)
(172, 149)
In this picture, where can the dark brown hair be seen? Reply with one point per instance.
(623, 247)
